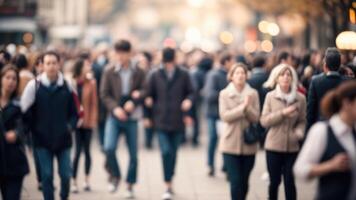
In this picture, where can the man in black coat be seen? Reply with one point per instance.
(322, 83)
(170, 93)
(215, 81)
(49, 93)
(259, 76)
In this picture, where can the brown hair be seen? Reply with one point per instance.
(4, 70)
(332, 102)
(233, 69)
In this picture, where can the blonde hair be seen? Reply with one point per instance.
(233, 69)
(278, 70)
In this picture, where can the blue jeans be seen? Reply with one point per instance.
(169, 143)
(213, 139)
(64, 167)
(113, 129)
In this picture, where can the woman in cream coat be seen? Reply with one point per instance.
(238, 107)
(284, 114)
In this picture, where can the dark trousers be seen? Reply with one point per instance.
(11, 188)
(149, 133)
(37, 164)
(213, 140)
(196, 131)
(101, 133)
(169, 143)
(239, 169)
(278, 165)
(82, 142)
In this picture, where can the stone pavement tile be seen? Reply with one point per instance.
(190, 183)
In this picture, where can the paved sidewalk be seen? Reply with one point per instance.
(191, 181)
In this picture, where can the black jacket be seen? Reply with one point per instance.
(319, 86)
(216, 80)
(53, 116)
(168, 96)
(258, 77)
(12, 156)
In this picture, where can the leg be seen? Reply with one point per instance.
(288, 177)
(148, 137)
(64, 169)
(234, 170)
(37, 164)
(101, 131)
(12, 189)
(274, 167)
(196, 131)
(247, 165)
(166, 153)
(46, 164)
(87, 140)
(175, 141)
(78, 148)
(131, 141)
(213, 138)
(112, 131)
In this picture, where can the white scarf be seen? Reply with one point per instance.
(288, 97)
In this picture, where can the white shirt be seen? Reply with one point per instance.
(315, 146)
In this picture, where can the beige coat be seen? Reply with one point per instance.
(236, 119)
(284, 132)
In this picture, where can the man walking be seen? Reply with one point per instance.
(170, 94)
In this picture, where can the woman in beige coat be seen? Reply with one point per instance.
(284, 114)
(238, 107)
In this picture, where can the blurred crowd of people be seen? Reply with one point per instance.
(268, 101)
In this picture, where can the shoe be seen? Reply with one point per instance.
(211, 172)
(113, 185)
(168, 195)
(87, 187)
(75, 189)
(39, 187)
(129, 194)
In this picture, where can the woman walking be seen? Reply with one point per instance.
(329, 152)
(238, 108)
(283, 113)
(13, 163)
(86, 89)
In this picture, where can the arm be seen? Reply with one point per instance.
(307, 164)
(105, 95)
(209, 91)
(300, 125)
(73, 113)
(229, 114)
(94, 99)
(28, 96)
(140, 88)
(312, 107)
(253, 111)
(189, 88)
(270, 117)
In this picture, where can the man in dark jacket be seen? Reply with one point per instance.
(198, 80)
(170, 93)
(216, 80)
(259, 75)
(322, 83)
(51, 103)
(120, 89)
